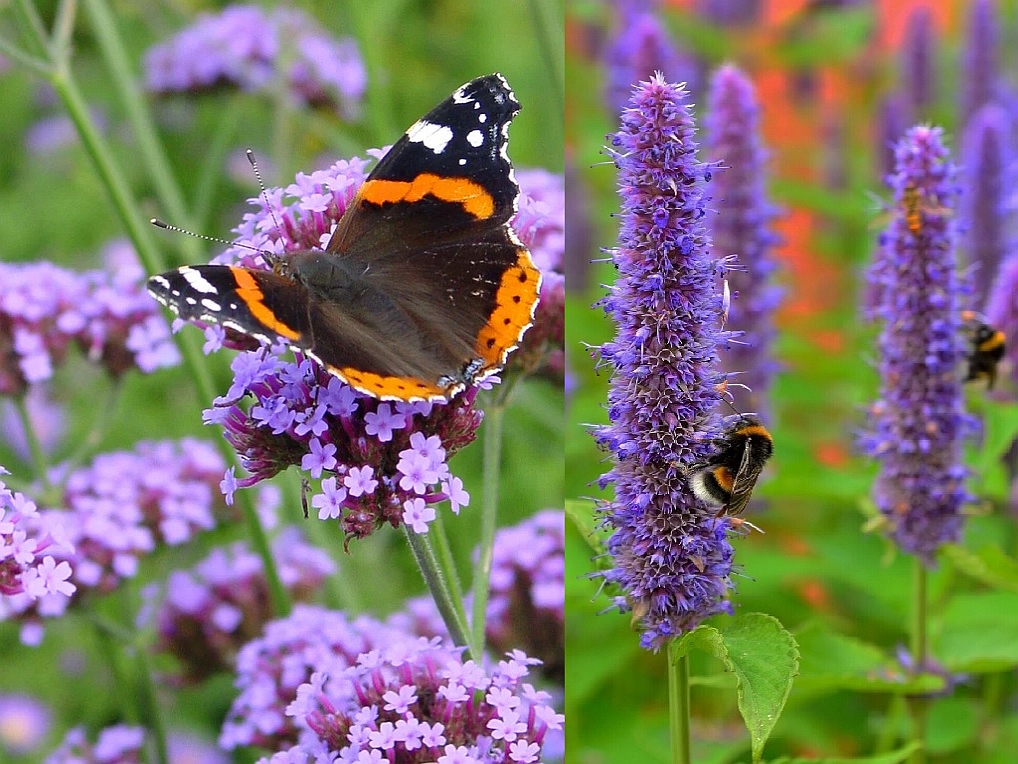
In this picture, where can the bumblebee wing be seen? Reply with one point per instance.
(745, 479)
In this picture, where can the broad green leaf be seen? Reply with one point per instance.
(764, 658)
(979, 633)
(832, 661)
(988, 565)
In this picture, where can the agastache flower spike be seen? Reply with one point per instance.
(742, 227)
(671, 559)
(979, 83)
(918, 421)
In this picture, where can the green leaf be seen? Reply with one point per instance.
(581, 515)
(832, 661)
(988, 565)
(979, 633)
(764, 658)
(893, 757)
(999, 429)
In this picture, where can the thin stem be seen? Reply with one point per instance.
(39, 461)
(678, 707)
(549, 45)
(446, 560)
(918, 706)
(450, 610)
(337, 597)
(149, 701)
(494, 419)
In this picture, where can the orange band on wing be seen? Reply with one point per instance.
(393, 388)
(515, 301)
(475, 200)
(249, 291)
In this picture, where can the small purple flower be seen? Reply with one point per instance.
(671, 559)
(743, 227)
(244, 46)
(418, 701)
(212, 610)
(44, 309)
(24, 723)
(987, 158)
(119, 744)
(918, 421)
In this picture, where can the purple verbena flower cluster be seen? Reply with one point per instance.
(419, 701)
(671, 559)
(271, 667)
(244, 46)
(115, 511)
(44, 309)
(918, 422)
(526, 609)
(30, 575)
(213, 609)
(743, 227)
(540, 223)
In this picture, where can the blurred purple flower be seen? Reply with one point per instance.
(918, 422)
(44, 309)
(918, 65)
(672, 560)
(579, 233)
(210, 611)
(1002, 312)
(729, 12)
(46, 419)
(743, 227)
(271, 667)
(526, 609)
(892, 124)
(418, 701)
(24, 724)
(639, 47)
(979, 73)
(119, 744)
(987, 157)
(243, 46)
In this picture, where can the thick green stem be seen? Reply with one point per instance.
(449, 608)
(919, 706)
(678, 707)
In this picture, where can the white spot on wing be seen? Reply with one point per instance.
(475, 138)
(211, 305)
(435, 137)
(196, 280)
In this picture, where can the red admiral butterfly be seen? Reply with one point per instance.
(423, 289)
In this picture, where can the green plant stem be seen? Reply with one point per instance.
(39, 461)
(450, 610)
(918, 706)
(678, 707)
(494, 420)
(139, 232)
(149, 701)
(445, 558)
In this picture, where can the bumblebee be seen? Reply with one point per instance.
(727, 480)
(987, 348)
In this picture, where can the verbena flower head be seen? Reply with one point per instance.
(671, 559)
(271, 668)
(24, 724)
(918, 423)
(33, 574)
(380, 462)
(45, 309)
(742, 227)
(640, 47)
(116, 511)
(419, 701)
(987, 159)
(979, 76)
(244, 46)
(212, 610)
(526, 608)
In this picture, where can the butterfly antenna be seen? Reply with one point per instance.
(215, 239)
(265, 195)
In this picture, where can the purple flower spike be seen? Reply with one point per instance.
(917, 64)
(640, 48)
(672, 560)
(244, 45)
(742, 228)
(979, 84)
(987, 155)
(918, 421)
